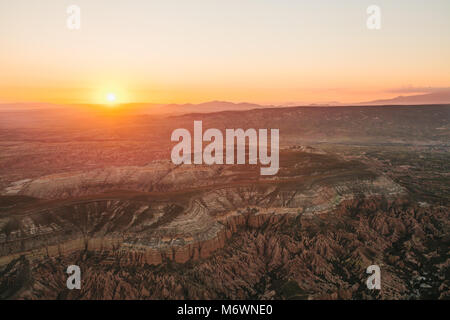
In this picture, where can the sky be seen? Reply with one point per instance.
(262, 51)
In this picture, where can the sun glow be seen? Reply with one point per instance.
(111, 97)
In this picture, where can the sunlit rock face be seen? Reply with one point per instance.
(321, 217)
(191, 217)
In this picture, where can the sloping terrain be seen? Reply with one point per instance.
(101, 194)
(174, 208)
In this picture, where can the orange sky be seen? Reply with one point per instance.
(257, 51)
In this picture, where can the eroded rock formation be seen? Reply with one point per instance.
(174, 232)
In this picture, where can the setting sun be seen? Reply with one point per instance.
(111, 97)
(111, 94)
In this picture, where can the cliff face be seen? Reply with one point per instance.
(145, 229)
(267, 256)
(309, 232)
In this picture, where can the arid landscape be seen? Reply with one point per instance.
(224, 159)
(357, 186)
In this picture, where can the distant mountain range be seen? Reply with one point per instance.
(145, 108)
(441, 97)
(212, 106)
